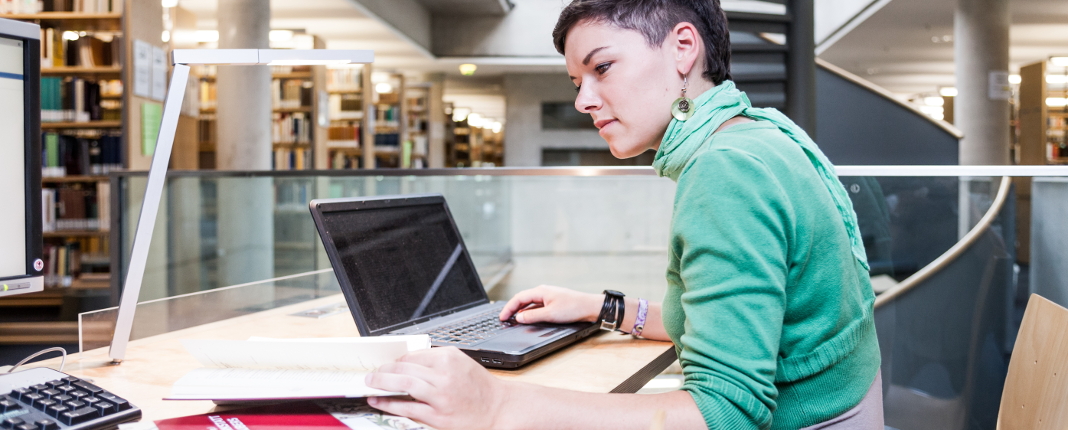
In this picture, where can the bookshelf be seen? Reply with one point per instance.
(87, 118)
(416, 117)
(346, 106)
(294, 109)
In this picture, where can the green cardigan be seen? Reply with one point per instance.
(770, 312)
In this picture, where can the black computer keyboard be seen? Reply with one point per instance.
(45, 399)
(471, 330)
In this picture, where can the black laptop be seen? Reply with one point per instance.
(404, 269)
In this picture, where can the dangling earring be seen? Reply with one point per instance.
(682, 108)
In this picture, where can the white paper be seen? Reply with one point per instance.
(159, 73)
(142, 68)
(265, 368)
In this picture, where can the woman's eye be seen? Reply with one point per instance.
(578, 88)
(603, 67)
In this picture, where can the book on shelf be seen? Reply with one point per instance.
(341, 160)
(354, 414)
(291, 93)
(285, 369)
(73, 99)
(70, 155)
(79, 49)
(76, 207)
(291, 158)
(207, 95)
(345, 106)
(290, 128)
(38, 6)
(387, 140)
(345, 136)
(344, 79)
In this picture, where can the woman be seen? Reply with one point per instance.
(768, 302)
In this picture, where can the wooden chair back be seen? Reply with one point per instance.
(1036, 388)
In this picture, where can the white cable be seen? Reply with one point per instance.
(62, 361)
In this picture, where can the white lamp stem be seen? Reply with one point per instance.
(157, 174)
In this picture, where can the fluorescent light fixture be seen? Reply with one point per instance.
(933, 101)
(460, 113)
(932, 110)
(474, 120)
(206, 36)
(169, 3)
(166, 36)
(468, 69)
(496, 127)
(1059, 61)
(948, 92)
(1056, 79)
(280, 35)
(1056, 101)
(157, 171)
(1015, 79)
(383, 88)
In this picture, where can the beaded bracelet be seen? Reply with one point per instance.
(639, 321)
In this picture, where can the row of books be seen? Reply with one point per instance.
(38, 6)
(344, 79)
(345, 106)
(291, 93)
(291, 128)
(207, 95)
(387, 139)
(344, 135)
(62, 264)
(75, 207)
(207, 128)
(71, 49)
(63, 154)
(342, 160)
(291, 159)
(73, 99)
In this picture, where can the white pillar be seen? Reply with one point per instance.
(245, 205)
(981, 51)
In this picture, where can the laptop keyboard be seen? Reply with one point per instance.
(471, 330)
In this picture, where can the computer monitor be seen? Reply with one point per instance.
(21, 266)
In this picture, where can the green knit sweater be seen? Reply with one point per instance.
(770, 312)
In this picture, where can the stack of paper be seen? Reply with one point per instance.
(272, 369)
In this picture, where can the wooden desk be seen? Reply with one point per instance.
(607, 362)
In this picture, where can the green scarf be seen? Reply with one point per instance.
(723, 102)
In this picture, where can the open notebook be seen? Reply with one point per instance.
(273, 369)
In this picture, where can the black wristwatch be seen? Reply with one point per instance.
(611, 316)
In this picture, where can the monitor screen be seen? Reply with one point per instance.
(404, 263)
(13, 162)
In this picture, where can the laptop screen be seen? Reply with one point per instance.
(404, 262)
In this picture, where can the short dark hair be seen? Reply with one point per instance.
(654, 19)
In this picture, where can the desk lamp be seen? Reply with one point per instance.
(157, 172)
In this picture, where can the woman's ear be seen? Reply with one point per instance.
(685, 43)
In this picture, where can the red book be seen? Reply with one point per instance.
(349, 414)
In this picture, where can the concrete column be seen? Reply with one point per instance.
(981, 51)
(245, 205)
(244, 92)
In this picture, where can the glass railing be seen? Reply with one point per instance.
(227, 244)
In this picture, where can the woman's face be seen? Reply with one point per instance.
(624, 84)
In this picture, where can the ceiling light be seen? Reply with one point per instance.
(475, 120)
(948, 92)
(1056, 101)
(169, 3)
(166, 36)
(280, 35)
(460, 113)
(932, 110)
(383, 88)
(468, 69)
(1059, 61)
(496, 126)
(70, 35)
(1056, 79)
(938, 116)
(933, 101)
(1015, 79)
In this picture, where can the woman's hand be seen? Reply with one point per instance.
(547, 303)
(451, 391)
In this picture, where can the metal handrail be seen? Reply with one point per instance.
(955, 251)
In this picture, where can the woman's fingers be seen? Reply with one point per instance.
(535, 315)
(406, 408)
(412, 369)
(400, 383)
(522, 300)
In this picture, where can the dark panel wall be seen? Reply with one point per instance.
(855, 126)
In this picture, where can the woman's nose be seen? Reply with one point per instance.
(586, 101)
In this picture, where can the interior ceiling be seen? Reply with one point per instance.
(904, 46)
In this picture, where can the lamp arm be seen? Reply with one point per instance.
(146, 223)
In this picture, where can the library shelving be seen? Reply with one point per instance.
(87, 116)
